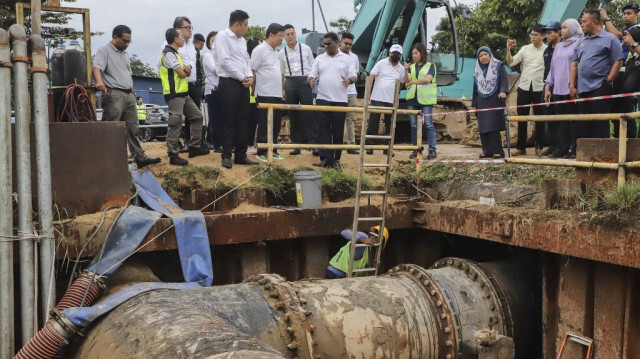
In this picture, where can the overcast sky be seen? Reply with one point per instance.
(149, 19)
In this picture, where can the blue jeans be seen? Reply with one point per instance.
(428, 128)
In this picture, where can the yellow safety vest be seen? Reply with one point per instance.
(341, 260)
(142, 112)
(427, 93)
(172, 84)
(252, 99)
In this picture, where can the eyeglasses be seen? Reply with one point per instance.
(328, 43)
(190, 28)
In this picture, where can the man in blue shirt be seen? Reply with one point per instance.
(629, 19)
(596, 62)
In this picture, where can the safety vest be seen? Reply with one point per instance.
(172, 84)
(252, 99)
(142, 112)
(623, 68)
(428, 93)
(341, 260)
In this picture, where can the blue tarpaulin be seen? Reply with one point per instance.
(127, 234)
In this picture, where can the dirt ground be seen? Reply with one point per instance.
(237, 174)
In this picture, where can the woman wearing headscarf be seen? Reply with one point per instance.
(490, 87)
(557, 88)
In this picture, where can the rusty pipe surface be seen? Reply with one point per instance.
(43, 167)
(411, 312)
(6, 206)
(23, 168)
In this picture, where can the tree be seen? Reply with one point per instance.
(492, 22)
(139, 68)
(255, 32)
(341, 25)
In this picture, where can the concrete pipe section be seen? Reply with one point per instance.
(456, 309)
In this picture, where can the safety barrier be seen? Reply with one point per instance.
(622, 164)
(270, 145)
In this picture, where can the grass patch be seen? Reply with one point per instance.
(611, 207)
(276, 180)
(624, 198)
(341, 185)
(184, 179)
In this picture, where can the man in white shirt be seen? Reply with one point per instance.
(352, 94)
(296, 60)
(383, 76)
(333, 73)
(212, 96)
(231, 56)
(531, 86)
(265, 64)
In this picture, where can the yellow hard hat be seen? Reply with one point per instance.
(385, 232)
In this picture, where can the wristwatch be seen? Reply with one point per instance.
(606, 19)
(634, 45)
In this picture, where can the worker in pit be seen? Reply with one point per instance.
(339, 264)
(142, 111)
(112, 73)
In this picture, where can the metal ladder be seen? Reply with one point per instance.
(357, 219)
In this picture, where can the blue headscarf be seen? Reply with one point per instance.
(487, 77)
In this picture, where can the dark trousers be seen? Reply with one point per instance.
(595, 129)
(252, 124)
(491, 143)
(262, 122)
(234, 101)
(624, 83)
(214, 127)
(330, 130)
(195, 92)
(526, 97)
(565, 131)
(551, 128)
(374, 121)
(303, 127)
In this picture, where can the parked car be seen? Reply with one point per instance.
(155, 126)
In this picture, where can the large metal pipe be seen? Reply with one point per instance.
(28, 320)
(43, 163)
(7, 336)
(410, 313)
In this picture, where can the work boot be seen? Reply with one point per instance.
(294, 152)
(195, 152)
(353, 152)
(315, 152)
(432, 154)
(226, 163)
(244, 161)
(177, 161)
(147, 161)
(547, 152)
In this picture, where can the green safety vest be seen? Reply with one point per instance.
(341, 260)
(172, 84)
(252, 99)
(427, 94)
(142, 112)
(623, 68)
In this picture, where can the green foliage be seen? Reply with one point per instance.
(342, 24)
(492, 22)
(139, 68)
(624, 198)
(276, 180)
(338, 185)
(255, 32)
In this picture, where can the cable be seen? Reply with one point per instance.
(77, 106)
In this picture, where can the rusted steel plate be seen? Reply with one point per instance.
(610, 284)
(232, 228)
(535, 229)
(88, 166)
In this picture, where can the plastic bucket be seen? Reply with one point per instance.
(308, 189)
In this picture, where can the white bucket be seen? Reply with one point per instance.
(308, 189)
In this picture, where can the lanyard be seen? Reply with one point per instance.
(289, 65)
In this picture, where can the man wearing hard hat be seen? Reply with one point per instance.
(339, 264)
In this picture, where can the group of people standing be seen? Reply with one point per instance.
(580, 60)
(235, 77)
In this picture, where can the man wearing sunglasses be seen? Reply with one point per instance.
(333, 73)
(112, 73)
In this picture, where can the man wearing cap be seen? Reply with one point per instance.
(384, 75)
(531, 85)
(339, 264)
(596, 62)
(630, 20)
(552, 32)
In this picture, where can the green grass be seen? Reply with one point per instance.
(624, 198)
(187, 178)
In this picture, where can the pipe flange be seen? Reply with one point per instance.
(488, 285)
(295, 328)
(16, 58)
(440, 305)
(39, 70)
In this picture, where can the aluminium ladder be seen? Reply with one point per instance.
(357, 219)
